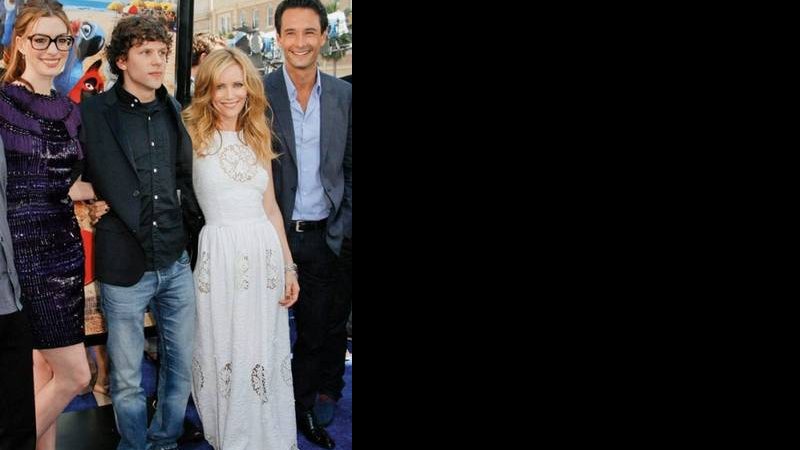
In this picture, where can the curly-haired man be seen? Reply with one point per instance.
(139, 159)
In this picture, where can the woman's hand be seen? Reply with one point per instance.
(97, 210)
(292, 289)
(81, 191)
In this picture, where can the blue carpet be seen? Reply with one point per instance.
(81, 403)
(341, 429)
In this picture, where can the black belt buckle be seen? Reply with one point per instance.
(302, 226)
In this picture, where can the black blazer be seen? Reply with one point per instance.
(336, 142)
(109, 166)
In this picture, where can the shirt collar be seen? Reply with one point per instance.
(293, 90)
(129, 101)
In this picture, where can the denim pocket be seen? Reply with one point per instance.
(184, 259)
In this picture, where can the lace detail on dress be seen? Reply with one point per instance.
(203, 274)
(286, 371)
(197, 373)
(238, 162)
(224, 380)
(242, 267)
(259, 382)
(272, 271)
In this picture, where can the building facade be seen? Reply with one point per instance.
(223, 17)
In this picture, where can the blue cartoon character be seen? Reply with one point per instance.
(8, 9)
(2, 22)
(89, 40)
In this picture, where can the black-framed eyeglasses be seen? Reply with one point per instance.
(42, 42)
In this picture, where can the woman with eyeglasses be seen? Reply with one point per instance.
(40, 132)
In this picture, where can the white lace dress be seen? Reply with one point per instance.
(242, 372)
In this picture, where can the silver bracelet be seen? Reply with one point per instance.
(291, 268)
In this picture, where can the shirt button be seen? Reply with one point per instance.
(152, 144)
(155, 224)
(135, 193)
(155, 197)
(155, 170)
(132, 105)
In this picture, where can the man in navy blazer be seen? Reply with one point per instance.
(311, 116)
(139, 160)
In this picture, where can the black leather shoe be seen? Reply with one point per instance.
(313, 431)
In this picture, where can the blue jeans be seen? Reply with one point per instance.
(170, 294)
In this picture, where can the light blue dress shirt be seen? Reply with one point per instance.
(311, 203)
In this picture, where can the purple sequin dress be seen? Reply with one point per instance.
(40, 134)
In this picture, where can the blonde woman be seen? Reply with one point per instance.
(245, 277)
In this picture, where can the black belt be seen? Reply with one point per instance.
(307, 225)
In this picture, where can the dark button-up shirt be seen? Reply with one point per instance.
(153, 135)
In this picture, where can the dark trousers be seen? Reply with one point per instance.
(332, 383)
(17, 410)
(316, 316)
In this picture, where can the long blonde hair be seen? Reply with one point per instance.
(201, 118)
(27, 16)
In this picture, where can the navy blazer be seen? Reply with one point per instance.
(109, 166)
(336, 148)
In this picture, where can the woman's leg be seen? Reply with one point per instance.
(69, 376)
(42, 374)
(101, 358)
